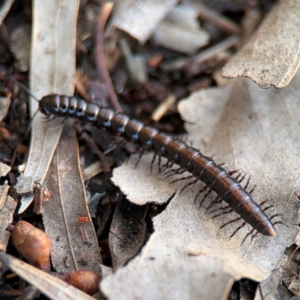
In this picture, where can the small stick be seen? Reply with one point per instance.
(99, 55)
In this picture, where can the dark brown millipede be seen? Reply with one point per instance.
(177, 152)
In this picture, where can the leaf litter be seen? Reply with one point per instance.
(251, 130)
(271, 58)
(187, 249)
(67, 202)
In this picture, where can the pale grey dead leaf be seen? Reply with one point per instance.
(272, 56)
(74, 244)
(175, 28)
(203, 56)
(20, 46)
(52, 70)
(4, 168)
(49, 285)
(6, 217)
(140, 18)
(136, 64)
(3, 193)
(158, 191)
(211, 15)
(188, 256)
(4, 106)
(269, 288)
(4, 9)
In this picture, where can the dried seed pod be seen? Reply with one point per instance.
(86, 281)
(32, 243)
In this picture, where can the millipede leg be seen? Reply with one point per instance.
(219, 209)
(230, 222)
(152, 162)
(159, 163)
(278, 222)
(225, 212)
(216, 201)
(168, 165)
(248, 234)
(205, 196)
(49, 119)
(142, 152)
(264, 202)
(237, 229)
(253, 189)
(233, 172)
(200, 192)
(247, 183)
(173, 172)
(189, 184)
(183, 178)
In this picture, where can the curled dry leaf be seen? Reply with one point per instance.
(272, 56)
(140, 18)
(188, 255)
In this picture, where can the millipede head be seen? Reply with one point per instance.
(49, 105)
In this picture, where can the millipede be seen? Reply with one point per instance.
(189, 159)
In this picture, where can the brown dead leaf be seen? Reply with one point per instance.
(188, 255)
(50, 286)
(272, 56)
(140, 18)
(52, 71)
(70, 250)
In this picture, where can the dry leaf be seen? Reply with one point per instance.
(270, 288)
(272, 56)
(4, 106)
(3, 193)
(52, 71)
(5, 7)
(158, 191)
(127, 232)
(140, 18)
(50, 286)
(70, 249)
(181, 25)
(20, 45)
(6, 217)
(4, 169)
(188, 256)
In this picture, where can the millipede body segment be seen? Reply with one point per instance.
(188, 158)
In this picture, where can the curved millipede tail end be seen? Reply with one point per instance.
(270, 231)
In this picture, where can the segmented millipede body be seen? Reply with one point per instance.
(188, 158)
